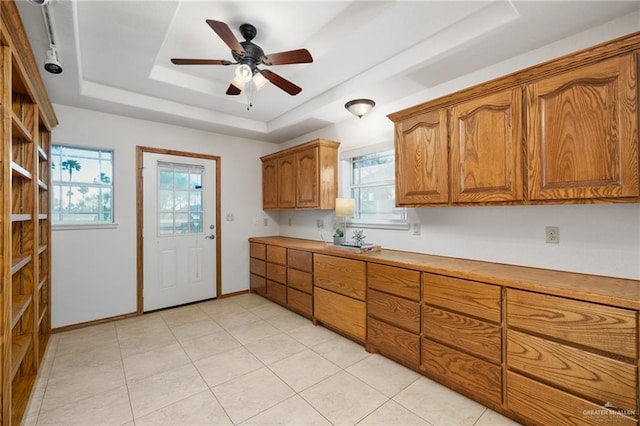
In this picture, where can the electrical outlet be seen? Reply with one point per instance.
(265, 222)
(552, 234)
(416, 229)
(320, 223)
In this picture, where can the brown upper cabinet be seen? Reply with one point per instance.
(486, 140)
(562, 131)
(583, 132)
(301, 177)
(421, 159)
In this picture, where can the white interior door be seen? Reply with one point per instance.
(179, 247)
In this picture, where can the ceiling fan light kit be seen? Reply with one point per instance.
(359, 107)
(249, 56)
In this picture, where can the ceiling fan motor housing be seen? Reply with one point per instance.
(253, 54)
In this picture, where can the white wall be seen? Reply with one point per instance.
(94, 271)
(595, 239)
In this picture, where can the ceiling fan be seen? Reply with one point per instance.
(249, 56)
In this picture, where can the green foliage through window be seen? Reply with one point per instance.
(82, 185)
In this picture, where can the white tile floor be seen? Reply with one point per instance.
(240, 360)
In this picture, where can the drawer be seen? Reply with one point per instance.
(302, 260)
(462, 372)
(468, 297)
(302, 281)
(394, 342)
(400, 312)
(343, 313)
(258, 284)
(397, 281)
(277, 254)
(584, 373)
(601, 327)
(277, 273)
(257, 266)
(344, 276)
(277, 292)
(257, 250)
(546, 405)
(299, 301)
(468, 334)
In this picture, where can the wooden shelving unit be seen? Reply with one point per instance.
(25, 228)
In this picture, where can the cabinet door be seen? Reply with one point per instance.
(583, 132)
(486, 144)
(421, 159)
(307, 178)
(270, 184)
(287, 181)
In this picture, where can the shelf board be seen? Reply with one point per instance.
(19, 348)
(43, 216)
(42, 248)
(18, 170)
(19, 304)
(42, 153)
(42, 315)
(41, 283)
(19, 129)
(19, 262)
(43, 186)
(20, 394)
(22, 217)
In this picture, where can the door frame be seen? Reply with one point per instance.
(140, 150)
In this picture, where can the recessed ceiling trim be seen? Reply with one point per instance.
(128, 98)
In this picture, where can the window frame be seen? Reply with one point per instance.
(56, 184)
(346, 160)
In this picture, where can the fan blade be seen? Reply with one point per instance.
(300, 56)
(233, 90)
(182, 61)
(224, 32)
(281, 82)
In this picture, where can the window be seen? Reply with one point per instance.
(82, 185)
(179, 198)
(372, 185)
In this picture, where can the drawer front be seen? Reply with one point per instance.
(277, 273)
(395, 310)
(277, 254)
(462, 372)
(397, 281)
(257, 250)
(302, 260)
(545, 405)
(302, 281)
(299, 301)
(394, 342)
(471, 335)
(467, 297)
(593, 376)
(344, 276)
(344, 313)
(258, 284)
(277, 292)
(257, 266)
(601, 327)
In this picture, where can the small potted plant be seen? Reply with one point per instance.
(338, 237)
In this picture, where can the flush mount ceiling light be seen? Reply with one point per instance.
(359, 107)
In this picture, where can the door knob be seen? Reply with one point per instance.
(211, 237)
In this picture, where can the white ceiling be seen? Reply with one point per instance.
(115, 54)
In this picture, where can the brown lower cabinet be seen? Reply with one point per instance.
(542, 354)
